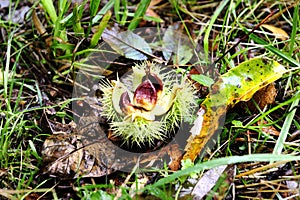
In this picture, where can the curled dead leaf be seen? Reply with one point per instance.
(38, 24)
(263, 97)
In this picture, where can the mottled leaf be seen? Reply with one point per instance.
(238, 84)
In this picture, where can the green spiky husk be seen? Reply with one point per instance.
(140, 131)
(108, 110)
(183, 106)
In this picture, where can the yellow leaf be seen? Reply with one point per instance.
(238, 84)
(278, 32)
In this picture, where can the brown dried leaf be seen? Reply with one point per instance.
(278, 32)
(263, 97)
(150, 10)
(38, 24)
(269, 129)
(33, 196)
(89, 153)
(176, 156)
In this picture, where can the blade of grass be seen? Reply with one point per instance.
(274, 50)
(125, 13)
(81, 8)
(265, 114)
(36, 189)
(39, 94)
(247, 35)
(19, 97)
(49, 7)
(34, 151)
(102, 12)
(60, 29)
(94, 5)
(177, 8)
(210, 25)
(96, 36)
(117, 10)
(139, 13)
(6, 71)
(219, 162)
(68, 47)
(294, 29)
(286, 125)
(63, 7)
(76, 21)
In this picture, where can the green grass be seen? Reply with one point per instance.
(20, 160)
(287, 125)
(31, 101)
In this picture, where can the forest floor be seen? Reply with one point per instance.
(45, 45)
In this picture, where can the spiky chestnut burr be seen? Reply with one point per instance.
(145, 105)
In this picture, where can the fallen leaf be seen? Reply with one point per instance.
(176, 155)
(127, 44)
(278, 32)
(263, 97)
(238, 84)
(33, 196)
(38, 24)
(18, 15)
(177, 44)
(4, 4)
(268, 129)
(202, 79)
(207, 182)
